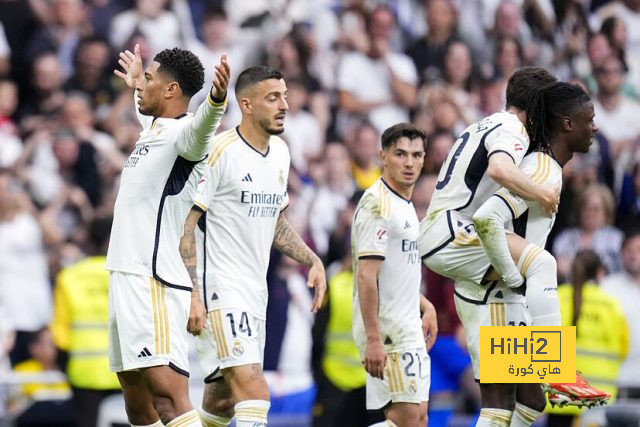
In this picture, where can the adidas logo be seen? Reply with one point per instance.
(145, 352)
(406, 225)
(247, 178)
(214, 297)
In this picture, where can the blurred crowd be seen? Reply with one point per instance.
(353, 68)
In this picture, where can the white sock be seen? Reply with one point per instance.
(188, 419)
(523, 416)
(211, 420)
(156, 424)
(540, 269)
(252, 413)
(494, 417)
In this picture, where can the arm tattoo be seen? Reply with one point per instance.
(287, 241)
(188, 247)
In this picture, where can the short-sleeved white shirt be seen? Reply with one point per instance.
(385, 227)
(242, 193)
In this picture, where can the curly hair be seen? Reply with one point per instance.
(545, 111)
(524, 83)
(183, 66)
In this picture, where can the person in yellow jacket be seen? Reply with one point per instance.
(338, 370)
(80, 329)
(602, 334)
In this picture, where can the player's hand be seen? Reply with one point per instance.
(375, 358)
(197, 315)
(131, 63)
(429, 325)
(550, 200)
(221, 79)
(318, 281)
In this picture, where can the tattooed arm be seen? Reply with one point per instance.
(287, 241)
(197, 314)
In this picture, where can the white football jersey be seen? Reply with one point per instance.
(385, 226)
(463, 183)
(529, 221)
(242, 194)
(157, 186)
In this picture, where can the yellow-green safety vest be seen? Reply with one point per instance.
(602, 339)
(80, 323)
(341, 362)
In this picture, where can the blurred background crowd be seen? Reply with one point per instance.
(353, 68)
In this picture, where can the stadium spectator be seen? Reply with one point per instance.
(364, 148)
(594, 210)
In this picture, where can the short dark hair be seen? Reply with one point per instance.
(546, 109)
(254, 75)
(184, 67)
(391, 135)
(524, 83)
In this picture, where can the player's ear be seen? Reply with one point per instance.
(567, 123)
(383, 155)
(245, 105)
(172, 90)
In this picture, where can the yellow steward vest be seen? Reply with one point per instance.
(80, 323)
(341, 362)
(602, 339)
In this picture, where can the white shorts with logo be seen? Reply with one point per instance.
(473, 316)
(232, 337)
(449, 246)
(147, 324)
(406, 379)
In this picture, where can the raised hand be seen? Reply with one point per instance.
(221, 79)
(131, 63)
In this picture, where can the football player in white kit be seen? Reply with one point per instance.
(391, 318)
(243, 195)
(562, 122)
(149, 286)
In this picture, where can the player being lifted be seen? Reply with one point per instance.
(243, 195)
(561, 124)
(149, 286)
(391, 318)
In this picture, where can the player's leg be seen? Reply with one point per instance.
(422, 412)
(169, 392)
(498, 403)
(403, 414)
(137, 400)
(217, 404)
(251, 393)
(530, 403)
(540, 271)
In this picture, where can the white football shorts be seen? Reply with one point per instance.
(232, 337)
(407, 379)
(473, 316)
(147, 324)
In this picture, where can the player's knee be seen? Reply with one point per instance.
(218, 405)
(166, 408)
(422, 419)
(140, 414)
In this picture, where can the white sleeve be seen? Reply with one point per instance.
(210, 182)
(372, 231)
(194, 141)
(509, 138)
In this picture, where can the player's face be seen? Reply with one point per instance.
(584, 129)
(404, 161)
(269, 105)
(151, 92)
